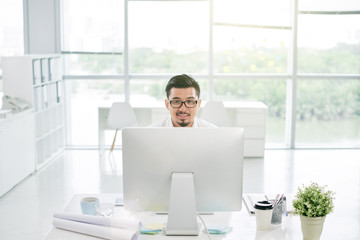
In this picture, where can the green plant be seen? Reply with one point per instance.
(313, 201)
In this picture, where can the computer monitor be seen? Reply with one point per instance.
(183, 171)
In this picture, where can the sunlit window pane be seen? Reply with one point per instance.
(246, 50)
(328, 112)
(275, 13)
(272, 92)
(11, 31)
(329, 44)
(11, 28)
(93, 26)
(147, 93)
(82, 64)
(329, 5)
(168, 37)
(85, 96)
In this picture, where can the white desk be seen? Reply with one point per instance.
(249, 115)
(244, 226)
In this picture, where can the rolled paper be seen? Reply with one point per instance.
(126, 223)
(106, 232)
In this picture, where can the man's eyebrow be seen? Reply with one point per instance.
(177, 98)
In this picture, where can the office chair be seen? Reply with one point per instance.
(120, 115)
(215, 113)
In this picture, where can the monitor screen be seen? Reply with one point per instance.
(180, 169)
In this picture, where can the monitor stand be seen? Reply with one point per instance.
(182, 218)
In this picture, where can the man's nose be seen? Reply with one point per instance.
(183, 107)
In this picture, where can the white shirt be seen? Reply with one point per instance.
(166, 122)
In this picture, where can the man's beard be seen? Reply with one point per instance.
(183, 124)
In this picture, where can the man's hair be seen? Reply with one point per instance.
(182, 81)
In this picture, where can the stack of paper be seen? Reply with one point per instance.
(152, 228)
(219, 229)
(113, 228)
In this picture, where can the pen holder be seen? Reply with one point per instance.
(277, 214)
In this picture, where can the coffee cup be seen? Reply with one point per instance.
(88, 205)
(263, 214)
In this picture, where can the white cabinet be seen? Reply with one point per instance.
(38, 80)
(17, 149)
(252, 117)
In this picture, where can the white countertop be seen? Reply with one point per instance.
(15, 116)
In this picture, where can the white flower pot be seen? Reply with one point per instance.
(312, 227)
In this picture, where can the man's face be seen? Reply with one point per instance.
(182, 116)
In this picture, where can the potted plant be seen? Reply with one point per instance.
(313, 203)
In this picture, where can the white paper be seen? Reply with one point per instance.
(96, 230)
(126, 223)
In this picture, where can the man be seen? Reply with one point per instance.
(183, 101)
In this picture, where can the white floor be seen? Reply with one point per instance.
(26, 211)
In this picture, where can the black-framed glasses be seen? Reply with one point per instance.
(179, 103)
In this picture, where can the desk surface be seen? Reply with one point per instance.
(244, 226)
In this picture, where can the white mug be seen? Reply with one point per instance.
(88, 205)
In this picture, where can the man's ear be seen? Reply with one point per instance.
(167, 104)
(199, 103)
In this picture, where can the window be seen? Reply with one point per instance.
(11, 31)
(127, 51)
(147, 92)
(329, 5)
(271, 92)
(168, 36)
(251, 40)
(329, 44)
(327, 108)
(271, 13)
(250, 50)
(93, 44)
(11, 28)
(328, 112)
(93, 37)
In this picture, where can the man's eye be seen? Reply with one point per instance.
(176, 101)
(190, 101)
